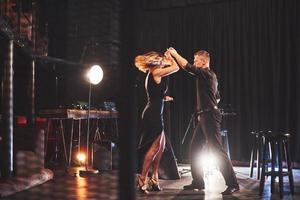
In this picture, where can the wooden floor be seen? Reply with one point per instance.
(104, 186)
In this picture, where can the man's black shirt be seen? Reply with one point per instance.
(207, 86)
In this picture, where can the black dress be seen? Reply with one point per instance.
(152, 117)
(152, 127)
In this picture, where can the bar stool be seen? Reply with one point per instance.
(279, 140)
(225, 143)
(256, 151)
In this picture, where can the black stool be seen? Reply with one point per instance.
(279, 140)
(225, 143)
(257, 151)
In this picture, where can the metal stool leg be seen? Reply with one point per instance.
(253, 153)
(273, 158)
(289, 165)
(227, 143)
(258, 154)
(280, 175)
(263, 171)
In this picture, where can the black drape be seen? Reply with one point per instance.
(253, 46)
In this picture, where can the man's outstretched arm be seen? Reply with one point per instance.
(182, 62)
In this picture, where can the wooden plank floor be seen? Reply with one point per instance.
(104, 186)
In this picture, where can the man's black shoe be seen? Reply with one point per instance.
(193, 186)
(230, 190)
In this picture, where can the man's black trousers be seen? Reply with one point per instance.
(207, 134)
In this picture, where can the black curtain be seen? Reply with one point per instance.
(253, 46)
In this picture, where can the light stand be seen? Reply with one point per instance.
(95, 75)
(188, 127)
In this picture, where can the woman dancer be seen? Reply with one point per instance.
(153, 139)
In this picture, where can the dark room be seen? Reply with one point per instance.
(150, 99)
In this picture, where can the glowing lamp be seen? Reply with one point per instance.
(81, 157)
(95, 74)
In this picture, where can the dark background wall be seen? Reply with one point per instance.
(254, 47)
(87, 33)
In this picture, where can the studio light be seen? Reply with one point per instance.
(208, 161)
(95, 76)
(81, 157)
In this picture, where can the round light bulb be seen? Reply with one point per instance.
(95, 74)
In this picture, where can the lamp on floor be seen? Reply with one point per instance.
(94, 75)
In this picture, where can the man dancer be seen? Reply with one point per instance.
(207, 131)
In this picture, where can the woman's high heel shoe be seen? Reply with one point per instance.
(154, 185)
(142, 186)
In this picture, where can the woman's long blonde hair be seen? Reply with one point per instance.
(148, 60)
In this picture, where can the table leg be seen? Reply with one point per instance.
(71, 143)
(63, 140)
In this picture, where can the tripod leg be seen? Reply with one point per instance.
(188, 128)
